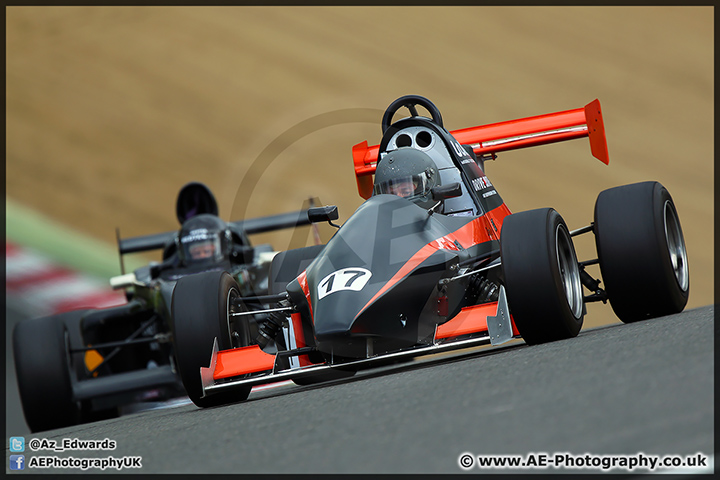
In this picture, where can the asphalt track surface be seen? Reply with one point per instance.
(618, 389)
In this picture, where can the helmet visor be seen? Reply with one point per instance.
(408, 186)
(202, 246)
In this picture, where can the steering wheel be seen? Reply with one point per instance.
(410, 101)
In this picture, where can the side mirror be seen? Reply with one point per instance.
(322, 214)
(444, 192)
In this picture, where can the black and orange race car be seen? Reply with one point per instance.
(433, 260)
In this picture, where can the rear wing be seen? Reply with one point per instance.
(249, 226)
(497, 137)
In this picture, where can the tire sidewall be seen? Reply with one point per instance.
(572, 322)
(661, 196)
(633, 252)
(532, 276)
(42, 365)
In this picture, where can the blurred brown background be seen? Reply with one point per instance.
(110, 110)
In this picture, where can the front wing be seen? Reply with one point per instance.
(489, 323)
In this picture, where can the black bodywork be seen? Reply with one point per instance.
(390, 314)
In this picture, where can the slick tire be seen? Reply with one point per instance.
(641, 251)
(42, 365)
(200, 312)
(541, 275)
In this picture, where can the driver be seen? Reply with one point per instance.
(203, 238)
(409, 173)
(404, 187)
(202, 250)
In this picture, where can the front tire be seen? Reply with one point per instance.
(201, 308)
(641, 251)
(542, 276)
(42, 365)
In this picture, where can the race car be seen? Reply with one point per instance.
(434, 260)
(85, 365)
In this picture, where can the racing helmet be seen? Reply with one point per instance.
(204, 239)
(407, 172)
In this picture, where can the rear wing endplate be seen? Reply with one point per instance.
(497, 137)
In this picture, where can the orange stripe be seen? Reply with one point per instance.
(497, 215)
(302, 279)
(416, 260)
(297, 319)
(472, 233)
(297, 329)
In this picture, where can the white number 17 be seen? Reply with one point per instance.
(346, 279)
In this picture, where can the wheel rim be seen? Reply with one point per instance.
(229, 310)
(676, 246)
(569, 271)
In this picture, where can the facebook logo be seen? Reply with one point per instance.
(17, 462)
(17, 444)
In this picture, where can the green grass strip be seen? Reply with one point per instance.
(28, 228)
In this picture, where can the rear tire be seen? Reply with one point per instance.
(641, 251)
(200, 310)
(42, 365)
(541, 275)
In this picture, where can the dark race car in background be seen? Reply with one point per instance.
(84, 365)
(398, 279)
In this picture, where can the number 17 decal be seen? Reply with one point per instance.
(346, 279)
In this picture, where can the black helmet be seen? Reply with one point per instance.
(204, 238)
(408, 173)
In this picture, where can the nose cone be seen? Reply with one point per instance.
(339, 296)
(398, 317)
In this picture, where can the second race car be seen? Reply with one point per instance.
(85, 365)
